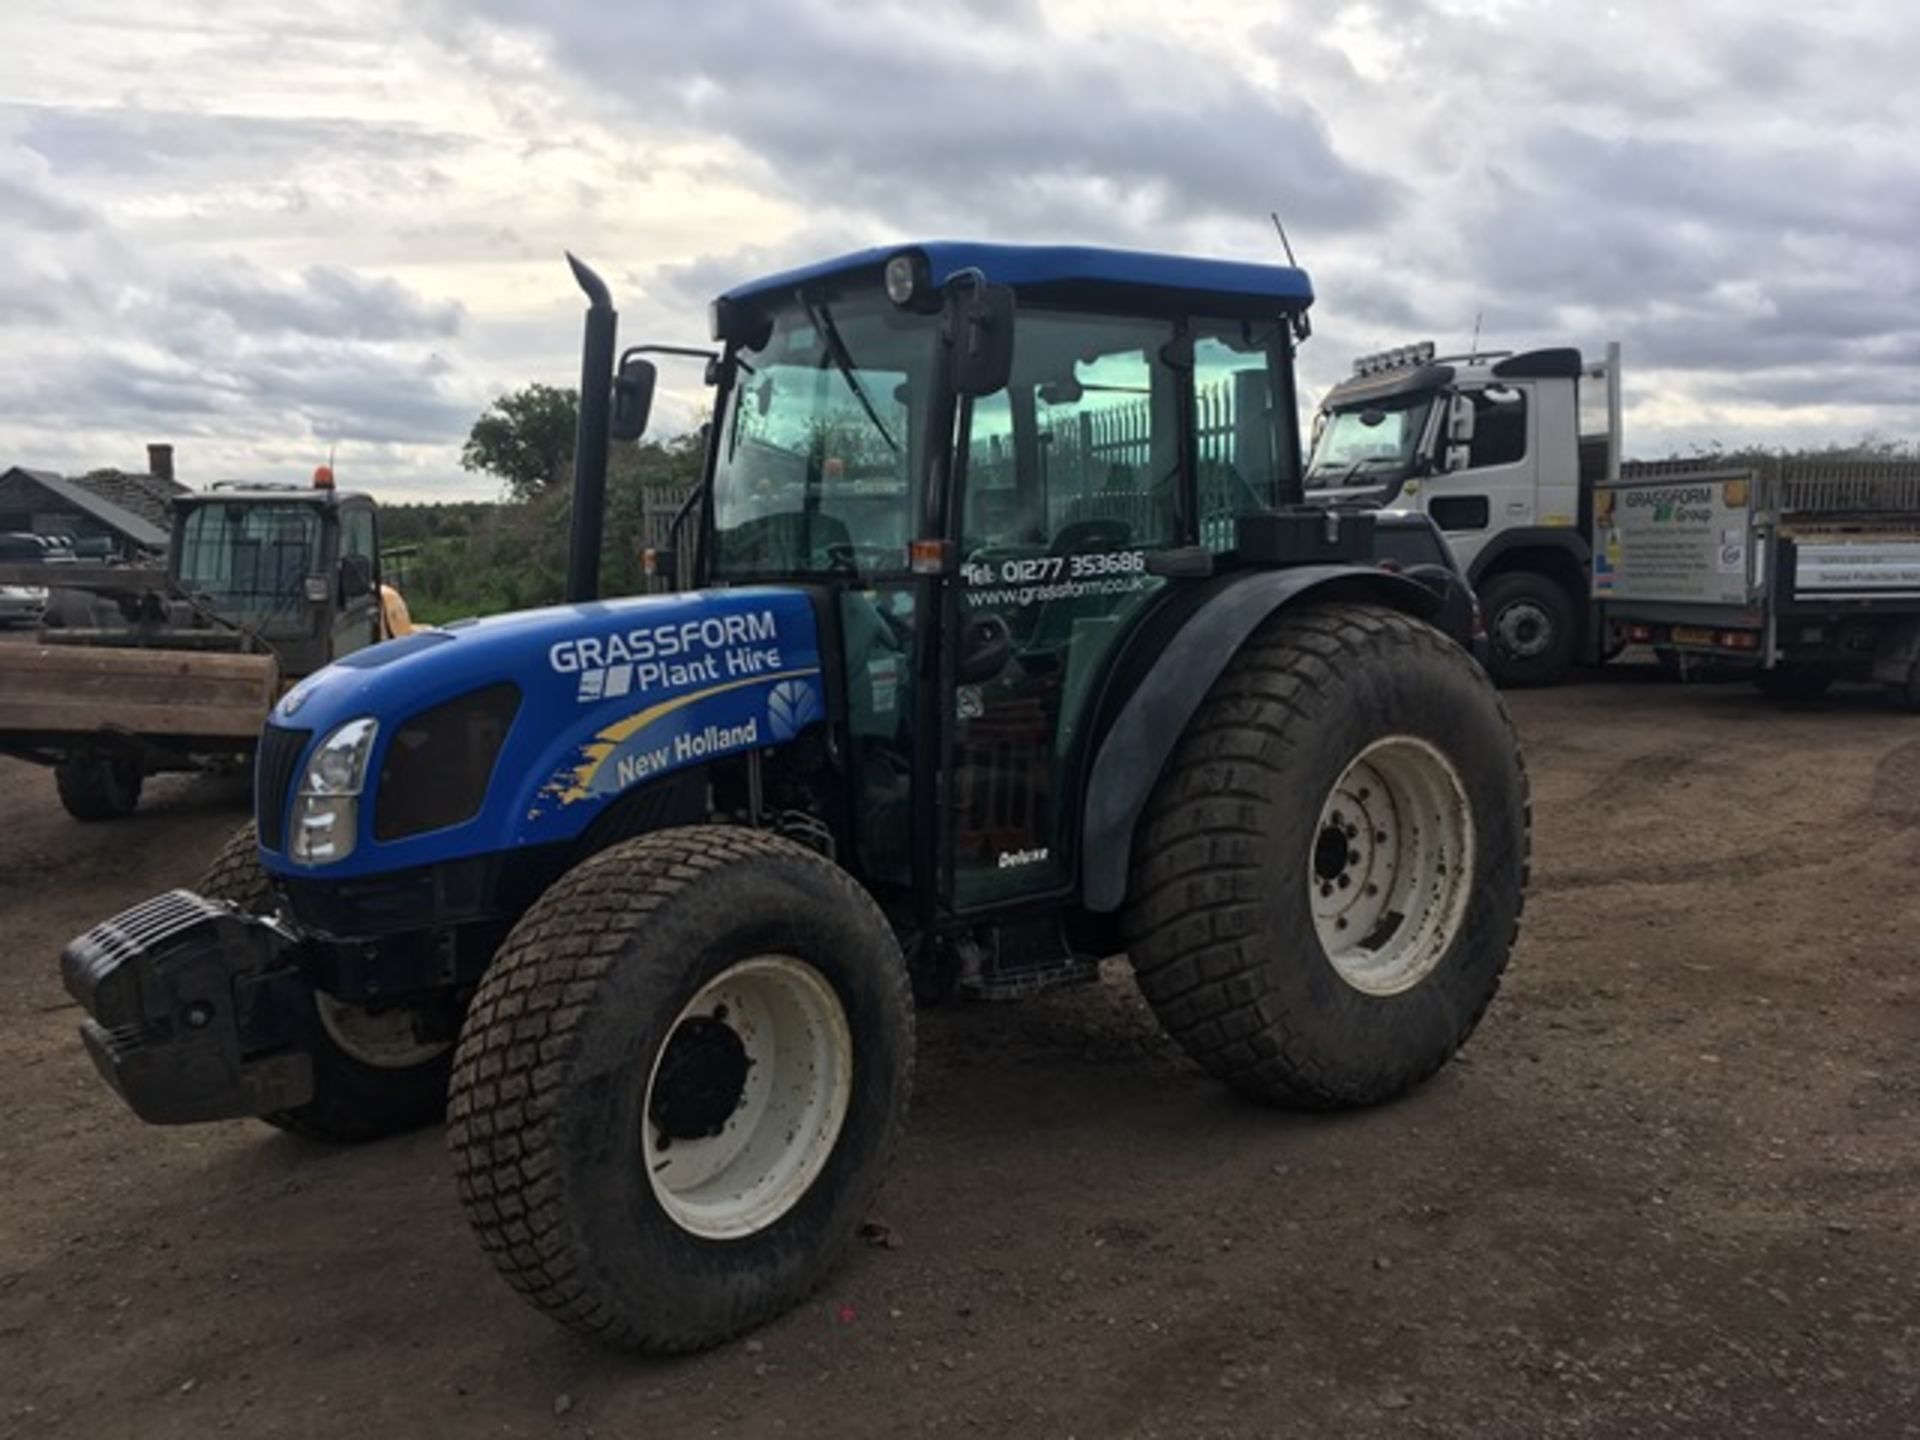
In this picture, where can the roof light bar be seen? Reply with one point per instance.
(1401, 357)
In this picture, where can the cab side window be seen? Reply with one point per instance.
(1083, 445)
(1238, 442)
(1499, 428)
(356, 533)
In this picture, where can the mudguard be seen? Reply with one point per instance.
(1570, 543)
(1152, 718)
(611, 694)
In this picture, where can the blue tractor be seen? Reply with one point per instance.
(1000, 641)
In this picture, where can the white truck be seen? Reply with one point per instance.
(1804, 572)
(1503, 451)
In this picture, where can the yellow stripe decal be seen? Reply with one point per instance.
(608, 740)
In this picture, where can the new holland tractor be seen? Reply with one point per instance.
(1001, 643)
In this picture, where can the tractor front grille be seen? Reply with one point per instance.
(273, 776)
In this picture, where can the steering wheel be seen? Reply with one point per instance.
(1095, 533)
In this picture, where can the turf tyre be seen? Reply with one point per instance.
(548, 1119)
(1220, 918)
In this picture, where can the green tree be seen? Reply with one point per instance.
(526, 439)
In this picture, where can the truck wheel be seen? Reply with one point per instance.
(679, 1086)
(98, 787)
(1793, 682)
(1531, 629)
(1328, 877)
(1906, 694)
(371, 1075)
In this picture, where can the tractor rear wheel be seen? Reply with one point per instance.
(679, 1086)
(372, 1076)
(98, 787)
(1328, 878)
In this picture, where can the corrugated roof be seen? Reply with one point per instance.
(118, 518)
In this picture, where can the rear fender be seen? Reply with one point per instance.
(1153, 716)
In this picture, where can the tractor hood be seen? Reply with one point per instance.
(601, 697)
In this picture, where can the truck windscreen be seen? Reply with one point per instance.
(1368, 445)
(817, 472)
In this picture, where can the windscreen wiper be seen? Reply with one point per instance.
(843, 362)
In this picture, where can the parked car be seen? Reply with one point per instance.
(22, 604)
(25, 604)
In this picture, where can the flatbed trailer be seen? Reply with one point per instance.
(1807, 573)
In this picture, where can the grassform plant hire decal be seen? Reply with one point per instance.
(698, 688)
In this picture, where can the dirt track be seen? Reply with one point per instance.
(1672, 1188)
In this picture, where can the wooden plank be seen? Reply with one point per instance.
(80, 691)
(101, 579)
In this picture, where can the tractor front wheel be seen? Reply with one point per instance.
(679, 1086)
(1329, 875)
(372, 1075)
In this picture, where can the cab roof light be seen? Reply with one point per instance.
(1401, 357)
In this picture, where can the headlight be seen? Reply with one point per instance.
(901, 277)
(326, 816)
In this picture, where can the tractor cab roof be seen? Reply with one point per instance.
(1066, 273)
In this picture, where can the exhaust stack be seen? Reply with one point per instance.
(591, 439)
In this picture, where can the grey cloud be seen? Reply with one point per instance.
(28, 206)
(325, 301)
(986, 121)
(130, 142)
(232, 350)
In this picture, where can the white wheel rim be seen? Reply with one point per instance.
(1391, 867)
(385, 1041)
(746, 1097)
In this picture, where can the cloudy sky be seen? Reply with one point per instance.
(260, 229)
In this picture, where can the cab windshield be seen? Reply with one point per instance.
(817, 469)
(1369, 445)
(247, 561)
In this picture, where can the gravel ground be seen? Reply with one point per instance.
(1669, 1189)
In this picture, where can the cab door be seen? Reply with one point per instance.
(1073, 474)
(355, 580)
(1496, 489)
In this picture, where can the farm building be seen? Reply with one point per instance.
(107, 513)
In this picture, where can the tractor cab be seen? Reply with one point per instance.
(989, 459)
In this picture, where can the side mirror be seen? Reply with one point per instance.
(980, 330)
(1460, 413)
(632, 398)
(356, 578)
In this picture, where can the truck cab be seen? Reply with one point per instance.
(1501, 451)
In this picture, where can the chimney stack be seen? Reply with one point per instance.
(160, 462)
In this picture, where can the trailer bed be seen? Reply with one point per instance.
(56, 698)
